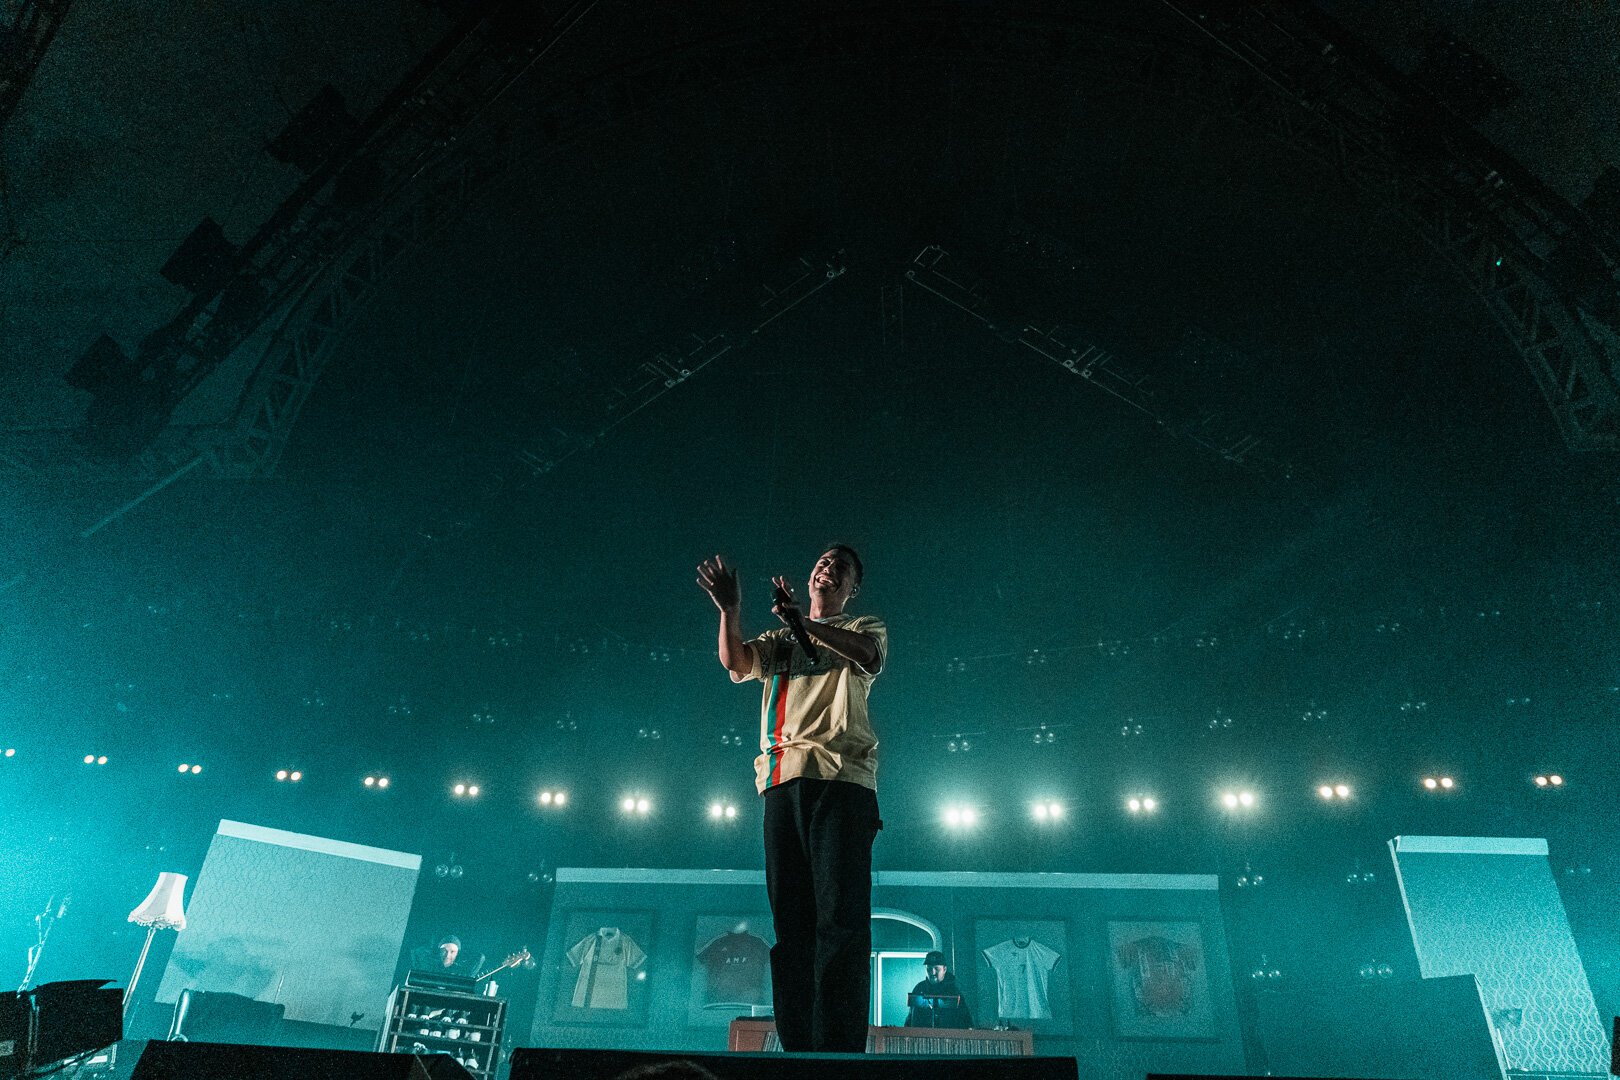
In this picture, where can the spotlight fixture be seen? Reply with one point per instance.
(184, 767)
(1141, 804)
(92, 759)
(382, 781)
(294, 776)
(553, 798)
(11, 752)
(1334, 791)
(1238, 800)
(460, 789)
(719, 811)
(1441, 783)
(370, 781)
(1553, 780)
(715, 810)
(635, 804)
(196, 769)
(642, 806)
(281, 774)
(961, 817)
(1048, 810)
(731, 812)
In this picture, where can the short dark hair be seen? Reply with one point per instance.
(854, 557)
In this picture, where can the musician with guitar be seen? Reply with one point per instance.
(817, 771)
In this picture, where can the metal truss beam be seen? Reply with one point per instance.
(1098, 367)
(23, 45)
(652, 379)
(1298, 75)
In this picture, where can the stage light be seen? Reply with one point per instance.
(1246, 798)
(559, 799)
(1342, 790)
(1230, 799)
(1332, 791)
(196, 769)
(1238, 800)
(1555, 781)
(472, 789)
(1141, 804)
(369, 781)
(642, 806)
(628, 806)
(1047, 810)
(1325, 791)
(11, 752)
(1430, 782)
(545, 798)
(382, 781)
(1040, 811)
(731, 812)
(295, 776)
(281, 774)
(1541, 781)
(716, 810)
(1445, 782)
(89, 759)
(184, 767)
(1150, 804)
(460, 789)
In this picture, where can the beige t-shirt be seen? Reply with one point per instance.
(813, 720)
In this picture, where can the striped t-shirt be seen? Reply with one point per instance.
(813, 720)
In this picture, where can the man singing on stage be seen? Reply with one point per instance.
(817, 770)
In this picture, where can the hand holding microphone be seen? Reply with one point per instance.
(787, 609)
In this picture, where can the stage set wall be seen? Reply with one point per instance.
(1106, 928)
(1488, 907)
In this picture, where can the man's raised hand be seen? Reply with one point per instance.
(720, 582)
(782, 610)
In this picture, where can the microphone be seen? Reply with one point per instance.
(795, 624)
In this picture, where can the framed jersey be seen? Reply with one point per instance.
(1159, 981)
(731, 968)
(604, 978)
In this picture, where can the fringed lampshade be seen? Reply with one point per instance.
(165, 906)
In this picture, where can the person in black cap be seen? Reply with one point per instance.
(949, 1008)
(444, 956)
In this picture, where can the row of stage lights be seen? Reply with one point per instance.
(956, 816)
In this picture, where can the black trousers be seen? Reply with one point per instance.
(818, 872)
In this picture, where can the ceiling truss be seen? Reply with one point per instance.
(1276, 65)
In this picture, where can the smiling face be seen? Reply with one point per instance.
(832, 581)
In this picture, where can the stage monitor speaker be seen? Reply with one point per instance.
(225, 1061)
(541, 1064)
(211, 1016)
(1431, 1029)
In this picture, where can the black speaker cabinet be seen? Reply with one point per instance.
(225, 1061)
(606, 1064)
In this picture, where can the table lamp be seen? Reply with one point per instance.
(163, 909)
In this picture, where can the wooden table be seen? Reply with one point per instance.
(760, 1035)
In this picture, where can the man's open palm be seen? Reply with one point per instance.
(720, 582)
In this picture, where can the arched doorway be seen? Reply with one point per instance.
(900, 940)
